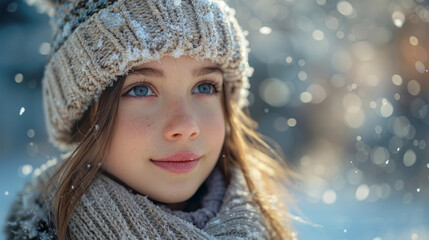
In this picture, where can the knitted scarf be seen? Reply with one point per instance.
(213, 193)
(109, 210)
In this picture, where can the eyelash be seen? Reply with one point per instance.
(217, 87)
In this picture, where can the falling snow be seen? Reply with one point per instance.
(21, 111)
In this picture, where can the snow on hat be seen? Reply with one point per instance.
(95, 42)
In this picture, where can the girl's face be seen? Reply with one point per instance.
(170, 128)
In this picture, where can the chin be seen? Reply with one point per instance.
(180, 195)
(173, 198)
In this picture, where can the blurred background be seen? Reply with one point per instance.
(342, 86)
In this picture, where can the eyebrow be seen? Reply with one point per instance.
(154, 72)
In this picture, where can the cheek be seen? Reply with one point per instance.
(133, 131)
(137, 125)
(214, 123)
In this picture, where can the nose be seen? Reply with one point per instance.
(181, 125)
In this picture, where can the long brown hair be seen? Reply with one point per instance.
(264, 168)
(92, 134)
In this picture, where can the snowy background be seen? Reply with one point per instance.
(342, 86)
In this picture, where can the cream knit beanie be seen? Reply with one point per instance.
(95, 42)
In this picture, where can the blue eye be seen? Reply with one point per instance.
(140, 91)
(206, 88)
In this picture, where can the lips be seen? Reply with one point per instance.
(184, 156)
(178, 163)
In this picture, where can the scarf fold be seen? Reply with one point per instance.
(108, 210)
(210, 202)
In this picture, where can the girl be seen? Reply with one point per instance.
(148, 95)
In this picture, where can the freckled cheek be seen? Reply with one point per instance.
(214, 123)
(136, 130)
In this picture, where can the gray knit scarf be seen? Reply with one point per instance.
(108, 210)
(203, 206)
(211, 201)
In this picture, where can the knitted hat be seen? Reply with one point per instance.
(95, 42)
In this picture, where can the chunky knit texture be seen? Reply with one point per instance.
(210, 202)
(108, 210)
(95, 42)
